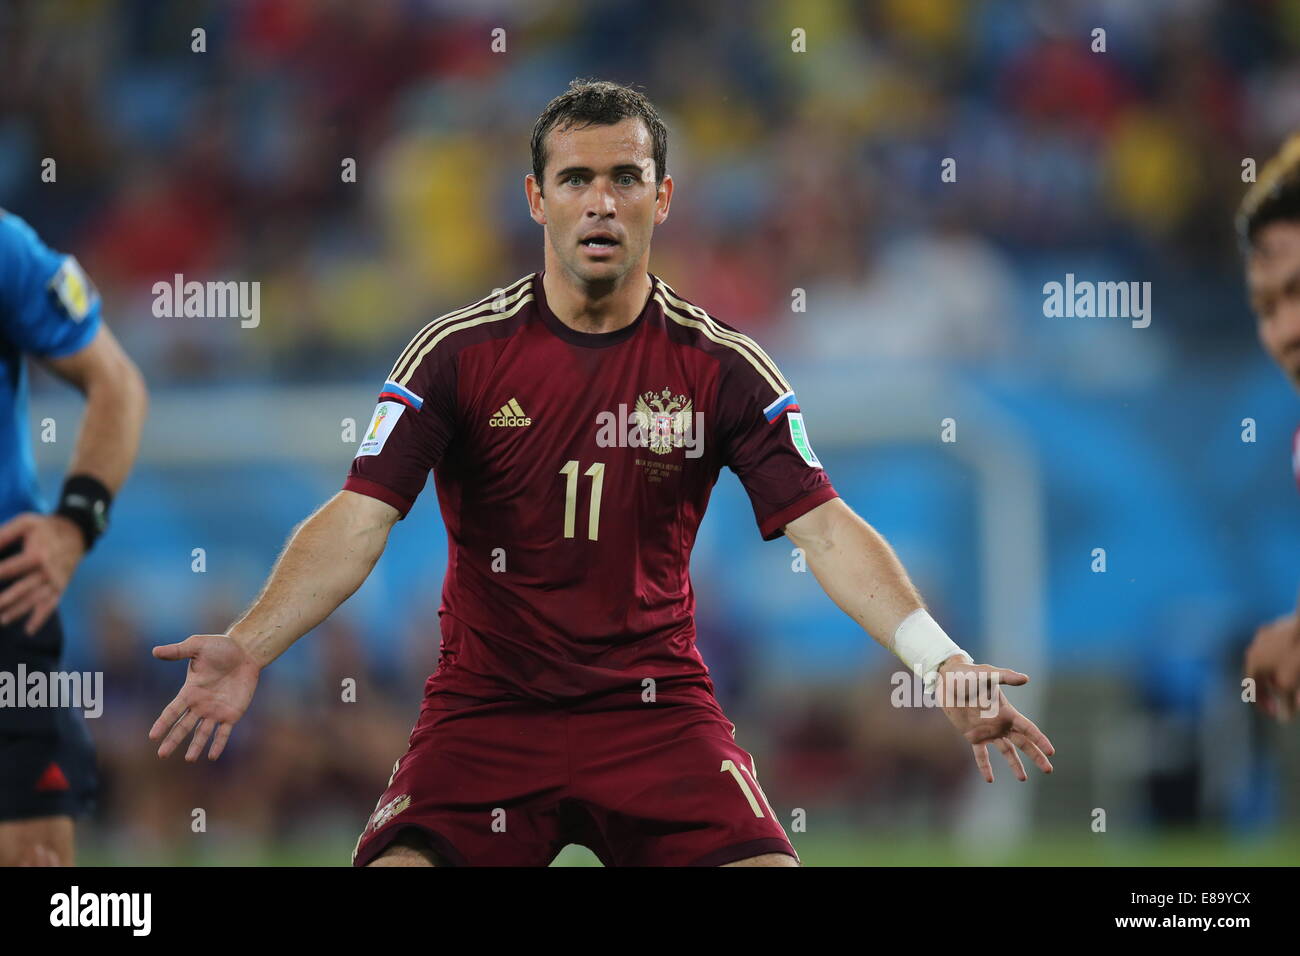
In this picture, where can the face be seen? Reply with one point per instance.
(599, 180)
(1273, 278)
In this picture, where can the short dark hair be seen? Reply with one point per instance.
(603, 103)
(1275, 197)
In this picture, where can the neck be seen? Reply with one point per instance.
(596, 307)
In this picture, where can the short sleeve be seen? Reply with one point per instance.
(765, 442)
(48, 305)
(408, 433)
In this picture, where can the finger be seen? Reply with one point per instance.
(1023, 725)
(171, 713)
(1272, 702)
(13, 529)
(219, 742)
(17, 596)
(1287, 678)
(982, 761)
(1260, 665)
(1035, 753)
(180, 730)
(1284, 711)
(24, 562)
(42, 611)
(1250, 662)
(202, 733)
(1013, 758)
(26, 608)
(176, 652)
(1010, 677)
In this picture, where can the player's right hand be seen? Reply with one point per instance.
(219, 685)
(1273, 663)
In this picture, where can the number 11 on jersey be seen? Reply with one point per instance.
(597, 474)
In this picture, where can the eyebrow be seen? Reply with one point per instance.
(568, 171)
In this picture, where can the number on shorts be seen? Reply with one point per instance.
(729, 765)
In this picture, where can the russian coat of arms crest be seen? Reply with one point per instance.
(663, 419)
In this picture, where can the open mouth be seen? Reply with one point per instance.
(599, 242)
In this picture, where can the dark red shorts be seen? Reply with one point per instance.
(511, 783)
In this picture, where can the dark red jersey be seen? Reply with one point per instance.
(573, 470)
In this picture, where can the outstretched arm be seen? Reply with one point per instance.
(856, 568)
(859, 571)
(327, 558)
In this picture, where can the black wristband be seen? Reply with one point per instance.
(84, 501)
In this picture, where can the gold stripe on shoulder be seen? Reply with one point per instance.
(731, 336)
(509, 292)
(711, 333)
(446, 329)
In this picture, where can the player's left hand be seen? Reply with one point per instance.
(1273, 662)
(52, 548)
(984, 715)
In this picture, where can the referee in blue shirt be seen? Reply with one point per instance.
(50, 311)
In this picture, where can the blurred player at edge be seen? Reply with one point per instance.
(569, 693)
(50, 310)
(1268, 225)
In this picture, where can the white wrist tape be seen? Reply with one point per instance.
(921, 644)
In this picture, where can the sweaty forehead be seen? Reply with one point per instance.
(601, 146)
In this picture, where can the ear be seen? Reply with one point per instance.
(536, 202)
(663, 199)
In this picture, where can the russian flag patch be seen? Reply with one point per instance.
(784, 403)
(392, 392)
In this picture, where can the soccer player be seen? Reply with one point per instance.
(1268, 224)
(50, 310)
(575, 422)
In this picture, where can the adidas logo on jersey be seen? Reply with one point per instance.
(511, 415)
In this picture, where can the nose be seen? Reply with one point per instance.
(602, 202)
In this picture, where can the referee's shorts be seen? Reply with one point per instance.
(47, 762)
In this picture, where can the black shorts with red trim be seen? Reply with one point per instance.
(47, 761)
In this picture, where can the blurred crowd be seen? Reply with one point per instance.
(312, 755)
(816, 170)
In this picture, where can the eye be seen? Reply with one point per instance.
(575, 176)
(632, 180)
